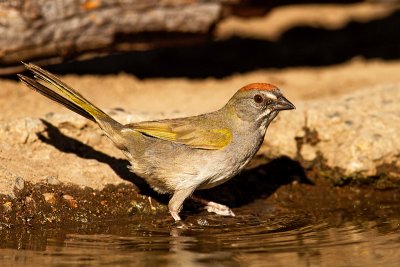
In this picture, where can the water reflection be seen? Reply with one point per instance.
(283, 240)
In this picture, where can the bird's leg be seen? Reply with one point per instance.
(176, 202)
(211, 206)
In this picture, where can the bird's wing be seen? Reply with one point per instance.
(181, 132)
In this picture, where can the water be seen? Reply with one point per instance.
(283, 238)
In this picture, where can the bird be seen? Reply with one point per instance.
(180, 155)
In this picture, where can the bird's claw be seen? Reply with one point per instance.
(219, 209)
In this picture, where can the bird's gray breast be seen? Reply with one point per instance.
(230, 161)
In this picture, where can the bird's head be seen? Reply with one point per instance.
(259, 103)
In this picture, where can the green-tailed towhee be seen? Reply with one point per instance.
(178, 156)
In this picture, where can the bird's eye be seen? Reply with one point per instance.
(258, 99)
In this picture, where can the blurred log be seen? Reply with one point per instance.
(48, 32)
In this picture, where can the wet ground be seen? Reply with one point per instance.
(295, 225)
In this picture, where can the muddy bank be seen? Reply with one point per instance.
(62, 204)
(281, 202)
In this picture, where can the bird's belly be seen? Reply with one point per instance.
(224, 172)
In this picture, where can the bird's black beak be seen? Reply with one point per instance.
(283, 104)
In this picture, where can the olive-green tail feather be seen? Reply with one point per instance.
(41, 89)
(50, 86)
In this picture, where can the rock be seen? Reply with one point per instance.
(53, 151)
(356, 133)
(77, 28)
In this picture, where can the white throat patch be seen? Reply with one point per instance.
(265, 113)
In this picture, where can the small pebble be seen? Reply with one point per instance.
(70, 201)
(19, 183)
(7, 206)
(53, 180)
(49, 198)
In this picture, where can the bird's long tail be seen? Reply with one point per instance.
(50, 86)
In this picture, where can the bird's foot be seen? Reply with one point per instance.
(175, 215)
(217, 208)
